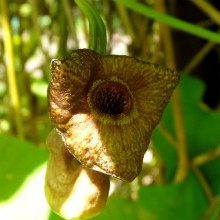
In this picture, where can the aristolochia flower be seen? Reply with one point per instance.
(105, 108)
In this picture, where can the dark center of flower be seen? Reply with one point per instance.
(112, 98)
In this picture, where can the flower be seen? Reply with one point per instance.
(106, 106)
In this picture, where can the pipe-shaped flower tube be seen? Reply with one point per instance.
(72, 190)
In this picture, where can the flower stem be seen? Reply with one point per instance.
(97, 31)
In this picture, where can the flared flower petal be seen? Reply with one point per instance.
(106, 106)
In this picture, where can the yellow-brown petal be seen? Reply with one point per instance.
(114, 150)
(109, 140)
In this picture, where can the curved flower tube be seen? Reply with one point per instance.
(72, 190)
(105, 108)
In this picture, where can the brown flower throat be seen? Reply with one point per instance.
(111, 98)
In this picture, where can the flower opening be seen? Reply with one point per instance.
(111, 98)
(111, 101)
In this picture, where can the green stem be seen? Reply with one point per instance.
(97, 31)
(171, 21)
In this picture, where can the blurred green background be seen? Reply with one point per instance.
(181, 171)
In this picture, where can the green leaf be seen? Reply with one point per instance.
(201, 128)
(29, 201)
(181, 201)
(18, 159)
(119, 208)
(167, 153)
(201, 125)
(210, 171)
(54, 216)
(216, 211)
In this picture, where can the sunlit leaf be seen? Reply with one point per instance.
(29, 201)
(18, 159)
(182, 201)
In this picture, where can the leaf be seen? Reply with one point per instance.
(215, 210)
(29, 201)
(167, 153)
(54, 216)
(211, 173)
(201, 128)
(18, 159)
(182, 201)
(118, 208)
(185, 200)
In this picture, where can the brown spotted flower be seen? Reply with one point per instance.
(105, 108)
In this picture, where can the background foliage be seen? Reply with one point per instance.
(180, 177)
